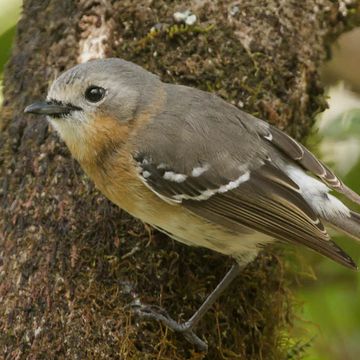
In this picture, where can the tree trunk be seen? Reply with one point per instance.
(70, 260)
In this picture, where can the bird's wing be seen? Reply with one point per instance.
(216, 161)
(303, 157)
(264, 199)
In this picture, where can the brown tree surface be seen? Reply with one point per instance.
(70, 260)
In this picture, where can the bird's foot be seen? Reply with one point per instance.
(159, 314)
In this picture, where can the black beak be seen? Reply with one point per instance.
(51, 108)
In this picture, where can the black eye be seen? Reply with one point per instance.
(94, 93)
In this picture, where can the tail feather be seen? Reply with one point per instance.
(350, 194)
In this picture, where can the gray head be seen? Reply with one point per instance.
(99, 89)
(106, 86)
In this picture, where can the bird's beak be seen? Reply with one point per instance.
(50, 108)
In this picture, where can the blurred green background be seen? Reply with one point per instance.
(329, 302)
(9, 14)
(330, 313)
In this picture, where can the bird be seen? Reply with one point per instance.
(196, 168)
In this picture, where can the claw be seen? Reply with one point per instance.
(186, 328)
(148, 312)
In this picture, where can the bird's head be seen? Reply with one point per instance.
(93, 104)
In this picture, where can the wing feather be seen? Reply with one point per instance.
(268, 201)
(273, 209)
(308, 161)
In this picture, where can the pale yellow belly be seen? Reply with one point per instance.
(186, 227)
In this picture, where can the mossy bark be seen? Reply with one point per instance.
(70, 260)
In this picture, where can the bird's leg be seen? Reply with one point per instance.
(187, 327)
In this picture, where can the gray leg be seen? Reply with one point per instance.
(187, 327)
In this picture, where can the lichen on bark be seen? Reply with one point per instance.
(70, 260)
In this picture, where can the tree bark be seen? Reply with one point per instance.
(71, 261)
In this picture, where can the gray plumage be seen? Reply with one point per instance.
(200, 129)
(216, 161)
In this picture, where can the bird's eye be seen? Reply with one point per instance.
(94, 93)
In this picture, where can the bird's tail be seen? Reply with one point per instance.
(349, 224)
